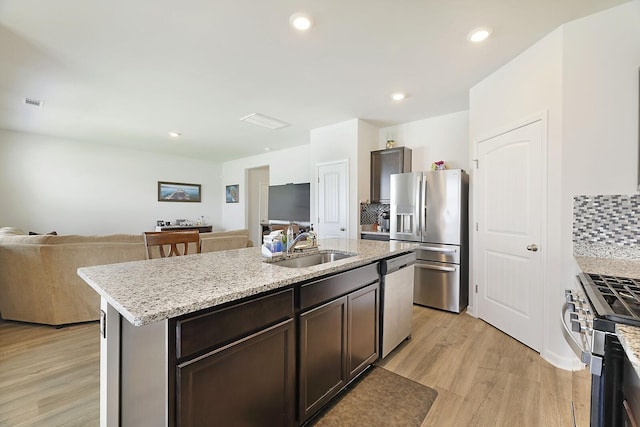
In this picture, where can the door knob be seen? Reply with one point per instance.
(532, 248)
(342, 229)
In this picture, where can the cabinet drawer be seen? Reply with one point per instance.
(323, 290)
(200, 332)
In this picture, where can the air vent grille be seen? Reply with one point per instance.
(264, 121)
(34, 102)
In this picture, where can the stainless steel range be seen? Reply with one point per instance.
(589, 317)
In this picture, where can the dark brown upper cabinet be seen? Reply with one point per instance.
(383, 164)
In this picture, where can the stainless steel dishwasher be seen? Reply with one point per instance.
(397, 301)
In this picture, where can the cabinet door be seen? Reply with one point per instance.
(323, 346)
(363, 322)
(243, 384)
(383, 164)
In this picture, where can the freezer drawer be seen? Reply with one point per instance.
(437, 285)
(439, 253)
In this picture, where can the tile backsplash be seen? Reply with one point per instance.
(611, 220)
(370, 212)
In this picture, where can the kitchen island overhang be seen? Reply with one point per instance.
(140, 298)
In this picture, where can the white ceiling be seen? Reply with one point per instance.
(128, 72)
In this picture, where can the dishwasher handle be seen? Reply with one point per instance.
(436, 267)
(390, 265)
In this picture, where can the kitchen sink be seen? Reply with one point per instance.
(316, 258)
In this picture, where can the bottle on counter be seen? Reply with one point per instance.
(290, 237)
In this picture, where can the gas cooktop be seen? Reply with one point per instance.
(614, 298)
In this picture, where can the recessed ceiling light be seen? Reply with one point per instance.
(398, 96)
(264, 121)
(267, 149)
(301, 21)
(175, 134)
(479, 34)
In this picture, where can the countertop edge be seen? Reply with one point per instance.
(630, 339)
(134, 307)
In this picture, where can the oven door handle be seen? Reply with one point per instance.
(578, 348)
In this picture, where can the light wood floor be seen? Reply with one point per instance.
(486, 378)
(50, 377)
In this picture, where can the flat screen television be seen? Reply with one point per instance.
(290, 202)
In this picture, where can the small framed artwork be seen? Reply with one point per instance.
(179, 192)
(233, 193)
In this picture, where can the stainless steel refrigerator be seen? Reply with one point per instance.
(432, 208)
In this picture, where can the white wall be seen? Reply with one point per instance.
(601, 62)
(71, 187)
(367, 142)
(339, 142)
(285, 166)
(433, 139)
(585, 76)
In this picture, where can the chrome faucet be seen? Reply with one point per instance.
(311, 234)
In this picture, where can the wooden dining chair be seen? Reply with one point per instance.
(171, 239)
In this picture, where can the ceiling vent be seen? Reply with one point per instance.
(34, 102)
(264, 121)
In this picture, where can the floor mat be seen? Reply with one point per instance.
(381, 398)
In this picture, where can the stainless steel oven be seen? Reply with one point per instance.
(589, 317)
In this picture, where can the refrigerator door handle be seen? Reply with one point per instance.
(442, 250)
(423, 206)
(419, 207)
(435, 267)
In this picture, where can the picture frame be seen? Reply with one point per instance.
(179, 192)
(233, 193)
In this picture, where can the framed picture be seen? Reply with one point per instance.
(179, 192)
(233, 193)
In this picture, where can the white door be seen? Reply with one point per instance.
(332, 208)
(510, 227)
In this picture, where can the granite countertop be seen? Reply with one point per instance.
(630, 339)
(609, 266)
(148, 291)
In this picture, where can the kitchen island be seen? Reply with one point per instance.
(224, 335)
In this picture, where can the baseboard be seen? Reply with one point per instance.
(571, 363)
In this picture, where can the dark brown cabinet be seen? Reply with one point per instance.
(339, 337)
(383, 164)
(243, 384)
(323, 349)
(362, 329)
(236, 366)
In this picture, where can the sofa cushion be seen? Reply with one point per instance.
(47, 239)
(11, 231)
(223, 243)
(225, 240)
